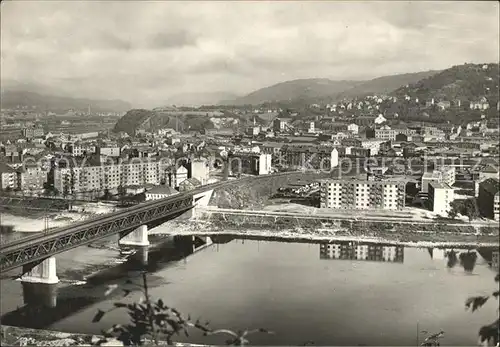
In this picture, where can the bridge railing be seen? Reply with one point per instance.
(122, 212)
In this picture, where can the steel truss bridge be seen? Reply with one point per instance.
(31, 251)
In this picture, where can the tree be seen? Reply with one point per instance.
(471, 209)
(122, 192)
(65, 192)
(467, 207)
(153, 321)
(452, 213)
(489, 333)
(107, 194)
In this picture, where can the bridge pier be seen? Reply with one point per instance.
(36, 294)
(143, 255)
(45, 273)
(138, 237)
(200, 242)
(200, 200)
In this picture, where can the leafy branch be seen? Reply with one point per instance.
(154, 321)
(488, 333)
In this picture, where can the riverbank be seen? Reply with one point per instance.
(34, 221)
(426, 236)
(15, 336)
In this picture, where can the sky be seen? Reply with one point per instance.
(146, 52)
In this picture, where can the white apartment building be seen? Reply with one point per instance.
(360, 194)
(250, 163)
(353, 128)
(444, 174)
(440, 197)
(449, 174)
(109, 151)
(372, 144)
(200, 170)
(386, 134)
(8, 177)
(98, 178)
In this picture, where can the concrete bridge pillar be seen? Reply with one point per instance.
(200, 242)
(143, 255)
(138, 237)
(201, 200)
(36, 294)
(45, 272)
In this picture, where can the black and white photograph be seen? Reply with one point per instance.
(249, 173)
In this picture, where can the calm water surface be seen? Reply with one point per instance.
(301, 291)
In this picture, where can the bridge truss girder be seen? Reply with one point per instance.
(35, 253)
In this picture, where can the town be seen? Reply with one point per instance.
(383, 152)
(205, 173)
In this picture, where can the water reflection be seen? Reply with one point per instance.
(57, 302)
(466, 258)
(285, 277)
(452, 258)
(349, 250)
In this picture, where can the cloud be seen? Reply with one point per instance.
(143, 52)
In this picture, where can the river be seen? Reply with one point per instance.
(298, 290)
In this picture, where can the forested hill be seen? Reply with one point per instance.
(468, 82)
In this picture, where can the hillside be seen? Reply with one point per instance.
(151, 121)
(322, 90)
(40, 102)
(302, 89)
(199, 99)
(385, 84)
(463, 82)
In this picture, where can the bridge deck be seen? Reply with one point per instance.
(33, 249)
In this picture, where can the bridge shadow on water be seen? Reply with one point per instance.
(55, 302)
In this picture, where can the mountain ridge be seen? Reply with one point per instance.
(200, 98)
(325, 90)
(464, 82)
(305, 88)
(46, 102)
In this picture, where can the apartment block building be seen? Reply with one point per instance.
(250, 163)
(8, 177)
(79, 150)
(32, 178)
(489, 198)
(484, 174)
(358, 251)
(281, 124)
(386, 133)
(32, 132)
(373, 145)
(198, 168)
(309, 157)
(98, 178)
(440, 197)
(361, 194)
(443, 174)
(109, 151)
